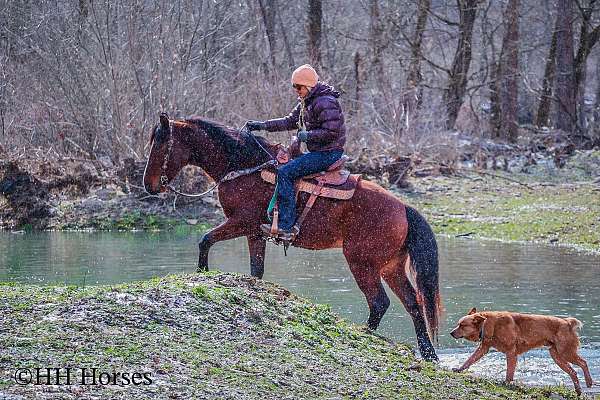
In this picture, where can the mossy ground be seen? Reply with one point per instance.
(216, 336)
(485, 206)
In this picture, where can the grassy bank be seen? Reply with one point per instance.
(486, 206)
(215, 336)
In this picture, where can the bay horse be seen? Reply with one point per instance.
(376, 231)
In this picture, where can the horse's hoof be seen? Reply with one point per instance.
(430, 356)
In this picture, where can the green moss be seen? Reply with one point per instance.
(201, 292)
(127, 352)
(564, 214)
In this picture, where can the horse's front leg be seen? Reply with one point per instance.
(256, 247)
(229, 229)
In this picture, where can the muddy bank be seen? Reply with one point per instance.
(69, 194)
(213, 336)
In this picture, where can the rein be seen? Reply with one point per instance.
(228, 177)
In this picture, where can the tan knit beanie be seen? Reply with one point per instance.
(305, 75)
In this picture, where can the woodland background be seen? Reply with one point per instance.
(87, 78)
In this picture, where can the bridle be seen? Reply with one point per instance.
(164, 180)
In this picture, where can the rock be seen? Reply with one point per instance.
(191, 221)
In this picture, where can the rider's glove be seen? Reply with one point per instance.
(302, 136)
(255, 125)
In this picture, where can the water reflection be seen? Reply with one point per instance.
(488, 275)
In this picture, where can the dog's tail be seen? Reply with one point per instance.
(574, 323)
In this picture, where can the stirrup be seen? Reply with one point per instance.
(286, 236)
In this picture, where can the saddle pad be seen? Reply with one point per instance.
(327, 191)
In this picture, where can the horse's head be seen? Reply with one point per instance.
(168, 155)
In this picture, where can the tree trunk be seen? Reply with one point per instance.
(457, 80)
(357, 81)
(382, 102)
(376, 41)
(286, 43)
(587, 40)
(543, 111)
(495, 107)
(596, 111)
(315, 17)
(565, 116)
(509, 73)
(412, 95)
(267, 11)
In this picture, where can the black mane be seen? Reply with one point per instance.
(240, 147)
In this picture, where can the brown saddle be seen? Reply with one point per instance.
(335, 183)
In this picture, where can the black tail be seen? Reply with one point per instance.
(423, 252)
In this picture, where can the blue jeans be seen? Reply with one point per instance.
(306, 164)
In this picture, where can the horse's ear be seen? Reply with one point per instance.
(164, 120)
(473, 311)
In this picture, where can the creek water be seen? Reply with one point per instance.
(487, 275)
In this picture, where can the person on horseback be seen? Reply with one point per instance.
(319, 119)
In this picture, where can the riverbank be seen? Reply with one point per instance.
(536, 202)
(497, 207)
(215, 336)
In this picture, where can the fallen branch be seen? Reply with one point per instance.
(503, 177)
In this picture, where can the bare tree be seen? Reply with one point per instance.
(565, 115)
(588, 38)
(457, 80)
(315, 17)
(267, 11)
(543, 111)
(509, 67)
(382, 102)
(413, 95)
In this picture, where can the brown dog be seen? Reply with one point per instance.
(514, 334)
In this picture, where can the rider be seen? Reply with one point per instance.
(319, 119)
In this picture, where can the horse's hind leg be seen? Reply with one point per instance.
(369, 282)
(229, 229)
(256, 247)
(394, 273)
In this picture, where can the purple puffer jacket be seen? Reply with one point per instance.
(323, 118)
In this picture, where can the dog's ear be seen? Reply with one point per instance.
(473, 311)
(479, 319)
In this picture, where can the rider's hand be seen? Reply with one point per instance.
(302, 136)
(255, 125)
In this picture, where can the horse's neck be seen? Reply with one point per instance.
(216, 163)
(214, 166)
